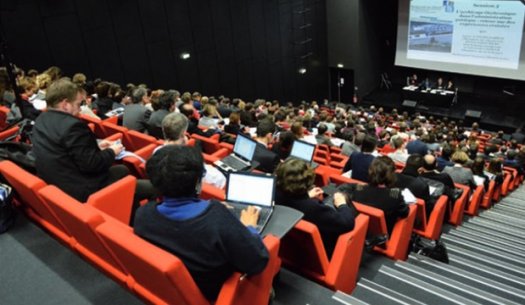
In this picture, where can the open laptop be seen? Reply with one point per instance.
(245, 189)
(242, 155)
(304, 151)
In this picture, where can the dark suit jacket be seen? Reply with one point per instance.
(386, 199)
(359, 163)
(418, 187)
(268, 160)
(134, 117)
(67, 154)
(331, 222)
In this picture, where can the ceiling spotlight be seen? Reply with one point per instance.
(302, 70)
(340, 65)
(185, 56)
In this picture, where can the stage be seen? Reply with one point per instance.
(491, 112)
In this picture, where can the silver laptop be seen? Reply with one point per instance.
(242, 155)
(245, 189)
(304, 151)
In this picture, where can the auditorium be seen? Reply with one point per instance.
(259, 152)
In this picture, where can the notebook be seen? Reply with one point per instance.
(242, 155)
(245, 189)
(304, 151)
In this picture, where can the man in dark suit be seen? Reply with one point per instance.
(430, 172)
(268, 160)
(66, 151)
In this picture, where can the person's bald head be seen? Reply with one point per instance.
(430, 162)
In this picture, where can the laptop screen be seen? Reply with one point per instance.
(302, 150)
(244, 147)
(251, 188)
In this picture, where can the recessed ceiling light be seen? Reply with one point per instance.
(302, 70)
(185, 55)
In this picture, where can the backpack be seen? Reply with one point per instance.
(7, 211)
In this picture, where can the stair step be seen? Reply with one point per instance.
(517, 259)
(484, 270)
(485, 260)
(489, 233)
(515, 220)
(490, 241)
(498, 225)
(346, 299)
(366, 287)
(419, 289)
(512, 210)
(470, 278)
(452, 285)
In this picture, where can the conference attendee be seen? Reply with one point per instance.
(283, 146)
(193, 124)
(103, 103)
(443, 160)
(349, 146)
(166, 105)
(409, 178)
(359, 162)
(380, 193)
(209, 117)
(458, 172)
(321, 137)
(295, 188)
(430, 171)
(210, 241)
(174, 127)
(234, 125)
(478, 170)
(400, 155)
(417, 146)
(267, 159)
(297, 129)
(495, 171)
(67, 153)
(135, 117)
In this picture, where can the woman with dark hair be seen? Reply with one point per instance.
(380, 193)
(295, 188)
(495, 171)
(480, 177)
(283, 146)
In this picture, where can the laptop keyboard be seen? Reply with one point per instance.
(233, 162)
(263, 215)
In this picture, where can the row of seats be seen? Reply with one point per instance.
(98, 231)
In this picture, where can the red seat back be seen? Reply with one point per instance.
(81, 220)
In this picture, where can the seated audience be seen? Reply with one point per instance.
(458, 172)
(234, 126)
(211, 242)
(430, 171)
(209, 117)
(359, 162)
(409, 178)
(295, 188)
(166, 105)
(400, 154)
(135, 114)
(174, 127)
(321, 137)
(380, 192)
(268, 160)
(67, 153)
(283, 146)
